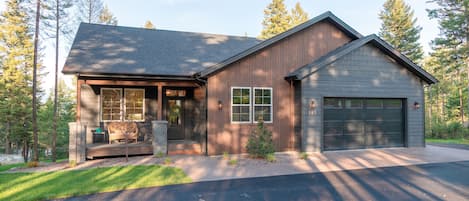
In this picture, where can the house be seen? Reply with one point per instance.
(319, 86)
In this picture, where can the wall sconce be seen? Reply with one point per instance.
(312, 105)
(220, 105)
(416, 105)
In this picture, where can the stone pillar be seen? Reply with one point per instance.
(77, 142)
(160, 136)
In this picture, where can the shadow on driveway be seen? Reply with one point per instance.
(438, 181)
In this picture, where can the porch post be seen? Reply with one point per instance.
(160, 136)
(159, 114)
(77, 142)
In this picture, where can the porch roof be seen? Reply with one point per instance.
(105, 49)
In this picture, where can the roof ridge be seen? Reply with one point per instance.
(166, 30)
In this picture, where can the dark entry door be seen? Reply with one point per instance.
(174, 108)
(353, 123)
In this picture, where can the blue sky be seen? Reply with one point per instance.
(242, 17)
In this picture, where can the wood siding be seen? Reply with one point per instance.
(266, 68)
(365, 72)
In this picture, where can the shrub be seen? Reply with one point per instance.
(449, 130)
(167, 161)
(271, 158)
(233, 162)
(260, 142)
(226, 156)
(303, 155)
(159, 155)
(31, 164)
(72, 163)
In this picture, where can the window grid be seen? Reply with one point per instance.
(262, 100)
(240, 100)
(134, 111)
(108, 104)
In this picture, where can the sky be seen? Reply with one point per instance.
(243, 17)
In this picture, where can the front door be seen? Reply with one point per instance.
(174, 108)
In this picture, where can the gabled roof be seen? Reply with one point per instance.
(338, 53)
(116, 50)
(328, 16)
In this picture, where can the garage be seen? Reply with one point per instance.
(355, 123)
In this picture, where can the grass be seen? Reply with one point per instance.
(449, 141)
(233, 162)
(5, 167)
(59, 184)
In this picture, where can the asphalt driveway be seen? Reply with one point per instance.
(437, 181)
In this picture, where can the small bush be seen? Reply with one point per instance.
(304, 155)
(449, 130)
(159, 155)
(233, 162)
(72, 163)
(260, 142)
(167, 160)
(226, 156)
(32, 164)
(271, 158)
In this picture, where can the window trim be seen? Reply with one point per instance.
(124, 111)
(101, 99)
(271, 104)
(250, 106)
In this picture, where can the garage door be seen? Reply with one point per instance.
(353, 123)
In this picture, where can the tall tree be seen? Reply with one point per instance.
(90, 10)
(298, 15)
(276, 19)
(106, 17)
(453, 19)
(57, 21)
(399, 28)
(149, 25)
(34, 102)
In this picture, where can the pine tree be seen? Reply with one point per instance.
(35, 83)
(106, 17)
(276, 19)
(16, 47)
(399, 29)
(90, 10)
(149, 25)
(298, 15)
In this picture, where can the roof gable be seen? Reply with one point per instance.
(338, 53)
(327, 16)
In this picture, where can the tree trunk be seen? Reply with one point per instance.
(466, 13)
(430, 116)
(36, 34)
(25, 152)
(7, 139)
(461, 105)
(54, 124)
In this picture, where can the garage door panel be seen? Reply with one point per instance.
(362, 123)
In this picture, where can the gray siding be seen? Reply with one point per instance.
(365, 72)
(89, 110)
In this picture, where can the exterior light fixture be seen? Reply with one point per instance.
(312, 105)
(416, 105)
(220, 105)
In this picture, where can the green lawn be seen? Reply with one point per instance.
(449, 141)
(9, 166)
(41, 186)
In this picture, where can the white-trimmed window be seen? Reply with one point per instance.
(262, 104)
(118, 106)
(134, 102)
(111, 104)
(241, 104)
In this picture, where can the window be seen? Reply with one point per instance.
(241, 104)
(332, 103)
(111, 104)
(263, 104)
(134, 102)
(115, 107)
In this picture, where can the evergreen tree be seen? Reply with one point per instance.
(149, 25)
(106, 17)
(399, 29)
(16, 47)
(90, 10)
(298, 15)
(35, 83)
(276, 19)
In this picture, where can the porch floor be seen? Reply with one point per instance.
(175, 147)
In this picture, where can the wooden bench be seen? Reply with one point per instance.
(122, 130)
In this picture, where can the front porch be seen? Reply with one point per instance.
(180, 105)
